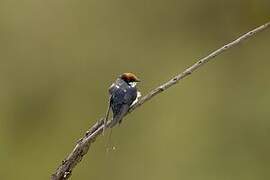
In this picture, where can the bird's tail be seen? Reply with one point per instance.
(107, 116)
(117, 118)
(109, 141)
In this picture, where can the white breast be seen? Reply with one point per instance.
(137, 98)
(133, 84)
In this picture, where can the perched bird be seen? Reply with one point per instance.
(123, 94)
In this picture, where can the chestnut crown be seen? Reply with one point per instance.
(129, 77)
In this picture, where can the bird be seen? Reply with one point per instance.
(122, 95)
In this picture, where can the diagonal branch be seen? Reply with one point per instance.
(65, 168)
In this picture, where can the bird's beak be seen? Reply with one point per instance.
(137, 80)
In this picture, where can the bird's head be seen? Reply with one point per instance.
(130, 78)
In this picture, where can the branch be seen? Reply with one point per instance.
(65, 168)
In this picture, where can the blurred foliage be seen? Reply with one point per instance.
(59, 57)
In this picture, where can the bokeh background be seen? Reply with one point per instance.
(58, 59)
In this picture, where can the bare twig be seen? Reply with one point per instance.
(82, 146)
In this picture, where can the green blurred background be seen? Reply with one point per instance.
(58, 59)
